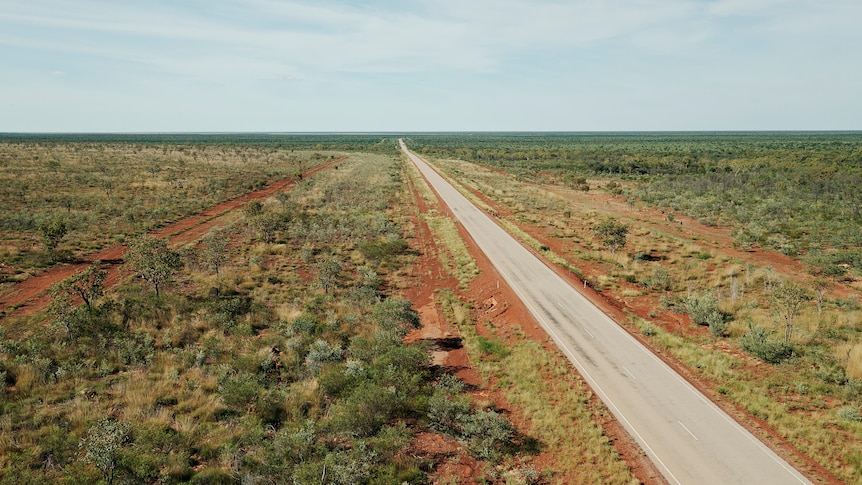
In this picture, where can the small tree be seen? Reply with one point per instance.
(821, 286)
(214, 252)
(63, 310)
(88, 285)
(329, 270)
(153, 261)
(266, 225)
(102, 445)
(612, 233)
(53, 231)
(253, 208)
(787, 300)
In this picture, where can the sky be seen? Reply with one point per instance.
(429, 65)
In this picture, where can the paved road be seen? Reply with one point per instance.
(688, 437)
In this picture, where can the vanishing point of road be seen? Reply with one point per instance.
(688, 437)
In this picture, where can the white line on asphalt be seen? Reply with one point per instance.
(687, 430)
(630, 372)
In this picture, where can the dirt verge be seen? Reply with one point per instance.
(491, 297)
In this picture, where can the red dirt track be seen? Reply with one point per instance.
(31, 295)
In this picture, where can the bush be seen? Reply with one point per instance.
(849, 413)
(239, 391)
(703, 310)
(365, 411)
(446, 412)
(382, 250)
(487, 431)
(320, 353)
(396, 315)
(660, 279)
(756, 341)
(492, 347)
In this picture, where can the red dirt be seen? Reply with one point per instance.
(30, 295)
(492, 298)
(618, 308)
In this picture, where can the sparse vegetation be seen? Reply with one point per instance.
(682, 266)
(257, 373)
(261, 360)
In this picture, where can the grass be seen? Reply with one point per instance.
(213, 374)
(824, 342)
(554, 401)
(456, 258)
(107, 192)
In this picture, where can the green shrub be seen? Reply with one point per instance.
(238, 391)
(758, 342)
(382, 250)
(487, 432)
(396, 315)
(445, 412)
(365, 411)
(703, 310)
(492, 347)
(320, 353)
(660, 279)
(849, 413)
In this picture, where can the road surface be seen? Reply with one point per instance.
(689, 438)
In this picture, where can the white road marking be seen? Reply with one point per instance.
(687, 430)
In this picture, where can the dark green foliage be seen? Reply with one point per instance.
(153, 261)
(612, 234)
(703, 310)
(305, 324)
(758, 341)
(254, 208)
(52, 231)
(239, 391)
(492, 347)
(395, 315)
(364, 411)
(382, 250)
(136, 349)
(487, 432)
(446, 411)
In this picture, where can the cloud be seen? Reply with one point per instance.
(500, 59)
(474, 36)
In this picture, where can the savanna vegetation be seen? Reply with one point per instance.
(269, 351)
(64, 198)
(796, 193)
(777, 337)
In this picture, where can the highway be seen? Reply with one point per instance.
(688, 438)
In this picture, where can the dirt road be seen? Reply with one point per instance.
(31, 295)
